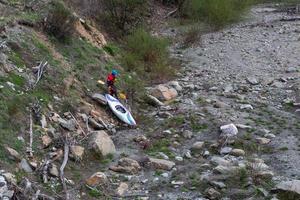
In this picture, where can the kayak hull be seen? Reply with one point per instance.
(119, 110)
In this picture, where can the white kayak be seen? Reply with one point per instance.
(119, 110)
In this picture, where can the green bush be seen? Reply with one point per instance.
(123, 15)
(60, 21)
(217, 13)
(147, 56)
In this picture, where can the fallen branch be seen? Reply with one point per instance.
(36, 196)
(45, 171)
(30, 137)
(40, 71)
(172, 13)
(62, 167)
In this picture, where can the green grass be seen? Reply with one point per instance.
(16, 59)
(175, 121)
(111, 49)
(161, 145)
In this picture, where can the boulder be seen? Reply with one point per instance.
(290, 187)
(225, 150)
(212, 193)
(164, 93)
(101, 143)
(262, 140)
(221, 169)
(127, 165)
(46, 140)
(215, 160)
(25, 166)
(99, 98)
(122, 189)
(252, 80)
(53, 170)
(197, 146)
(95, 125)
(99, 178)
(237, 152)
(229, 130)
(153, 100)
(13, 154)
(10, 178)
(77, 151)
(175, 85)
(68, 124)
(161, 164)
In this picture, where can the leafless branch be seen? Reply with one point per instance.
(62, 167)
(30, 136)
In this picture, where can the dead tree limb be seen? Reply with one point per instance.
(30, 136)
(62, 167)
(40, 71)
(172, 13)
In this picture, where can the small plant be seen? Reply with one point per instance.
(192, 36)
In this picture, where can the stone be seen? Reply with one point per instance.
(161, 164)
(262, 140)
(270, 136)
(290, 187)
(43, 121)
(215, 160)
(187, 134)
(163, 156)
(179, 158)
(99, 178)
(228, 88)
(217, 184)
(212, 193)
(197, 146)
(165, 175)
(187, 154)
(13, 154)
(127, 165)
(99, 98)
(229, 130)
(153, 100)
(164, 93)
(237, 152)
(246, 107)
(242, 126)
(53, 170)
(46, 140)
(94, 124)
(122, 189)
(226, 150)
(10, 178)
(291, 70)
(221, 169)
(68, 124)
(25, 166)
(101, 143)
(175, 85)
(77, 151)
(252, 80)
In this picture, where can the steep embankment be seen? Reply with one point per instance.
(246, 74)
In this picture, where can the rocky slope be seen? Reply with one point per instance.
(227, 128)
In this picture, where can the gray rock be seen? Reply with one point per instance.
(126, 165)
(290, 187)
(99, 98)
(68, 124)
(53, 170)
(226, 150)
(262, 140)
(175, 85)
(291, 70)
(229, 130)
(153, 100)
(198, 146)
(25, 166)
(95, 124)
(217, 184)
(161, 164)
(187, 134)
(13, 154)
(212, 193)
(246, 107)
(215, 160)
(179, 158)
(101, 143)
(164, 92)
(237, 152)
(252, 80)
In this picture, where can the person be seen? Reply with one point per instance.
(110, 82)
